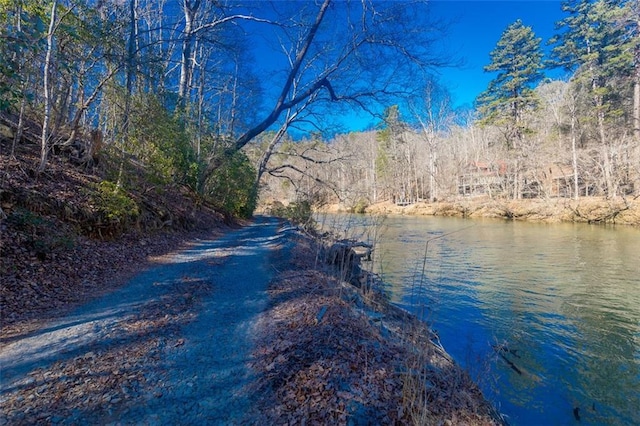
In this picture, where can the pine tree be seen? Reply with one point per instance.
(593, 44)
(518, 60)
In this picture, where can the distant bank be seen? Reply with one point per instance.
(596, 210)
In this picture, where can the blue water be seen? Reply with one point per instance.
(546, 318)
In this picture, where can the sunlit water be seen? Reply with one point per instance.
(560, 302)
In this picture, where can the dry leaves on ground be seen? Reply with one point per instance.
(330, 354)
(105, 381)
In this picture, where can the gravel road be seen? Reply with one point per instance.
(173, 346)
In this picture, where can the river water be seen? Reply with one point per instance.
(546, 317)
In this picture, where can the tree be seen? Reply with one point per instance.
(194, 30)
(435, 118)
(394, 157)
(44, 151)
(594, 46)
(518, 60)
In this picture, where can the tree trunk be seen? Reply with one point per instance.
(636, 117)
(189, 10)
(606, 157)
(23, 101)
(44, 152)
(281, 104)
(636, 104)
(636, 82)
(262, 167)
(432, 173)
(574, 154)
(20, 130)
(131, 68)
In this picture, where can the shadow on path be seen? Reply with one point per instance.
(200, 379)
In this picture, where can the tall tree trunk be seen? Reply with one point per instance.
(433, 193)
(635, 153)
(636, 82)
(574, 154)
(130, 76)
(636, 116)
(23, 101)
(189, 9)
(44, 151)
(606, 154)
(636, 103)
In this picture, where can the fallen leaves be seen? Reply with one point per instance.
(47, 266)
(329, 354)
(118, 375)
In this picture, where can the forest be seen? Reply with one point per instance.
(175, 88)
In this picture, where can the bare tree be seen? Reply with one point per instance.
(44, 151)
(435, 119)
(194, 29)
(338, 57)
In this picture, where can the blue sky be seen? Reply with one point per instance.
(476, 28)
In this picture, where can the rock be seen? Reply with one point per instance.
(346, 261)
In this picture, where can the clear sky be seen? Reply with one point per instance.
(476, 28)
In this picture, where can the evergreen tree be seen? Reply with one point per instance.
(593, 42)
(518, 60)
(391, 160)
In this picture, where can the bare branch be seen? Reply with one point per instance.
(280, 105)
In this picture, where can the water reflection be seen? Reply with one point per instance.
(563, 298)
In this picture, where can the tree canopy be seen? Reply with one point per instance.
(517, 59)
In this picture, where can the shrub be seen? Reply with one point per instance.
(231, 186)
(299, 213)
(114, 204)
(361, 206)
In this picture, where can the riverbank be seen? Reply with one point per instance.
(330, 352)
(595, 210)
(323, 350)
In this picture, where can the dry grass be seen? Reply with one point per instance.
(621, 211)
(330, 353)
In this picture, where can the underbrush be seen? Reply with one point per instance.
(67, 233)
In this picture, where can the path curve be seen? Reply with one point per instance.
(200, 373)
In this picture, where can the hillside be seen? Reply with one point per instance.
(68, 231)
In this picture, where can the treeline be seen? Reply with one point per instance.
(528, 136)
(174, 86)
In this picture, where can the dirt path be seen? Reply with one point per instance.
(170, 347)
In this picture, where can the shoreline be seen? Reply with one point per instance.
(331, 330)
(589, 210)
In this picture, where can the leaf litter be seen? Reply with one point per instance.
(330, 353)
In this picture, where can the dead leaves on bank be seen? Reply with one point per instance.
(329, 354)
(323, 371)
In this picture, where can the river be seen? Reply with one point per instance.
(545, 317)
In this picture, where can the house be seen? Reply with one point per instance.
(482, 178)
